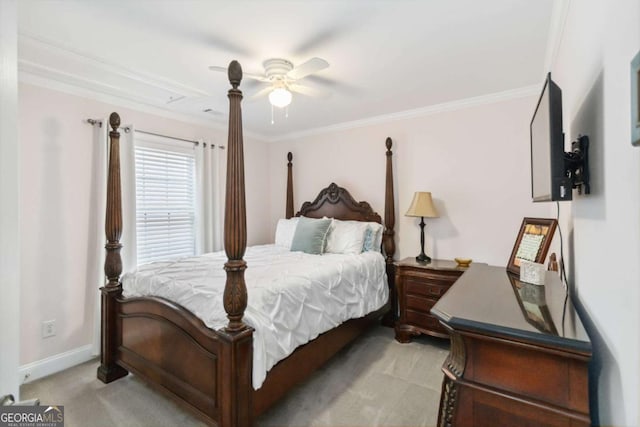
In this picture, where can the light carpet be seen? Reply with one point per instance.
(374, 382)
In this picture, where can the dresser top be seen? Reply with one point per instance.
(490, 301)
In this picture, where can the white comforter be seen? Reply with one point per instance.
(292, 296)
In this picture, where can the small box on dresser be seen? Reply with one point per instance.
(419, 286)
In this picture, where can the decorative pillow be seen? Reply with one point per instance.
(372, 237)
(346, 237)
(285, 231)
(310, 235)
(377, 243)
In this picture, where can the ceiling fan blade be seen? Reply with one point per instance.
(311, 66)
(247, 75)
(309, 91)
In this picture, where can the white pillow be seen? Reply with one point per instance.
(285, 230)
(373, 237)
(346, 237)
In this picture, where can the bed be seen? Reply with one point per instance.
(210, 370)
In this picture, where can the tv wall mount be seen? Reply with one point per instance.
(576, 164)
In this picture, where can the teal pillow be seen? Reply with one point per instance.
(310, 235)
(372, 237)
(369, 239)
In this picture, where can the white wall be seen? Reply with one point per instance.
(474, 160)
(592, 68)
(9, 195)
(55, 198)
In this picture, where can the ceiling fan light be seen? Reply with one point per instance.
(280, 97)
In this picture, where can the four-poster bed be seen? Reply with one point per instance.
(210, 371)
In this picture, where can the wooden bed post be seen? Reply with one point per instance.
(289, 207)
(108, 370)
(236, 361)
(388, 241)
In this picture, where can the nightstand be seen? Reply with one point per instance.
(419, 286)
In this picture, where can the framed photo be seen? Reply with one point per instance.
(635, 101)
(532, 243)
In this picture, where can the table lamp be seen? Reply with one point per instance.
(422, 206)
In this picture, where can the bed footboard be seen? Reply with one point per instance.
(150, 329)
(207, 371)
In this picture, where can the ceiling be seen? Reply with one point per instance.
(385, 56)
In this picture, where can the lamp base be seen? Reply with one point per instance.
(423, 258)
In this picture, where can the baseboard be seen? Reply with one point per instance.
(59, 362)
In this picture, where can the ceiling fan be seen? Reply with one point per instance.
(283, 79)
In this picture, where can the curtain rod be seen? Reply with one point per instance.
(127, 129)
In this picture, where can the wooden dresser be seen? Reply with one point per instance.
(513, 362)
(419, 286)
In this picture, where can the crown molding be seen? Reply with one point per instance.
(26, 68)
(107, 66)
(417, 112)
(37, 74)
(48, 78)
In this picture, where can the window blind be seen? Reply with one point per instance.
(165, 202)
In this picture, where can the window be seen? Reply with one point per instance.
(165, 201)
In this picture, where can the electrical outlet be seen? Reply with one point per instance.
(48, 328)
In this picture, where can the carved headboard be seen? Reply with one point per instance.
(336, 202)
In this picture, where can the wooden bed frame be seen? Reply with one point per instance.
(210, 371)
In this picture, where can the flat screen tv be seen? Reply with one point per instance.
(549, 180)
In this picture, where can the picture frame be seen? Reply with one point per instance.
(532, 243)
(635, 101)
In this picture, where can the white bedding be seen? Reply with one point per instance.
(292, 296)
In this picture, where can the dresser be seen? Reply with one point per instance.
(419, 286)
(518, 356)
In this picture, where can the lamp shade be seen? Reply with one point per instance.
(422, 205)
(280, 97)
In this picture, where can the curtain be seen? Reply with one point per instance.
(221, 162)
(209, 198)
(128, 183)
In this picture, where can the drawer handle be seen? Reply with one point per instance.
(434, 291)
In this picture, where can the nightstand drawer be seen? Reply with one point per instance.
(424, 321)
(443, 278)
(419, 288)
(419, 303)
(427, 289)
